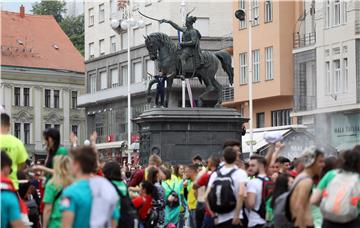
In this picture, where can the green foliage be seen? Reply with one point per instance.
(74, 29)
(46, 7)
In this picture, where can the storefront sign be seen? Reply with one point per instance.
(345, 130)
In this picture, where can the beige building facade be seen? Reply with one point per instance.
(273, 25)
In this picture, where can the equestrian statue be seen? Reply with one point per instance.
(187, 60)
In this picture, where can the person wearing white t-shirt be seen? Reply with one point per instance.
(239, 177)
(254, 190)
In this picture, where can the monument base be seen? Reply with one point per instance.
(178, 134)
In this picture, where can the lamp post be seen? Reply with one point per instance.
(128, 24)
(240, 15)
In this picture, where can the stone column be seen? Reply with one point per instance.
(66, 122)
(39, 126)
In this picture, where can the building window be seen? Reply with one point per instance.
(112, 44)
(344, 12)
(268, 11)
(91, 16)
(17, 96)
(112, 8)
(114, 73)
(17, 130)
(56, 98)
(124, 75)
(101, 13)
(124, 40)
(138, 72)
(74, 99)
(280, 117)
(26, 96)
(256, 65)
(150, 67)
(47, 126)
(57, 127)
(91, 50)
(26, 133)
(337, 76)
(102, 47)
(243, 69)
(74, 129)
(327, 14)
(327, 78)
(103, 80)
(345, 75)
(147, 29)
(242, 6)
(255, 12)
(47, 98)
(202, 24)
(269, 63)
(260, 120)
(337, 13)
(92, 83)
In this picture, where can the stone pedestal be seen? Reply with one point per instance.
(177, 134)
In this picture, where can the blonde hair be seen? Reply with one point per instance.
(62, 171)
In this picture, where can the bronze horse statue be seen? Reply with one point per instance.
(164, 51)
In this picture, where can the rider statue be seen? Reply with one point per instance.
(191, 57)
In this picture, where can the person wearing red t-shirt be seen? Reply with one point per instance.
(143, 202)
(213, 164)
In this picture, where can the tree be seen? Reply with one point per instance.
(50, 7)
(74, 29)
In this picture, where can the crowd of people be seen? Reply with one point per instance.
(75, 188)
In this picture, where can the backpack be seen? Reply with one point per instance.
(340, 198)
(282, 213)
(221, 196)
(176, 201)
(129, 217)
(152, 218)
(104, 200)
(267, 187)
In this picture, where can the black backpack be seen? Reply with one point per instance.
(266, 193)
(152, 218)
(176, 201)
(129, 217)
(221, 197)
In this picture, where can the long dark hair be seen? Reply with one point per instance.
(54, 134)
(281, 186)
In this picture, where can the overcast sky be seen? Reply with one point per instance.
(14, 5)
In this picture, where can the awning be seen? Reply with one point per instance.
(258, 136)
(110, 145)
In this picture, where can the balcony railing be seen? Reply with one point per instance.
(228, 93)
(304, 40)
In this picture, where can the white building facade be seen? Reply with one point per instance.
(106, 58)
(327, 75)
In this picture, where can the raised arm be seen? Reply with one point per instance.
(173, 24)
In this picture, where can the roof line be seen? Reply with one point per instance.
(53, 69)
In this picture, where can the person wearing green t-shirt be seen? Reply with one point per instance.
(62, 178)
(350, 166)
(52, 142)
(13, 147)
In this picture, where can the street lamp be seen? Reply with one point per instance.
(240, 15)
(120, 25)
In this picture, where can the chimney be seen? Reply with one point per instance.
(22, 11)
